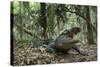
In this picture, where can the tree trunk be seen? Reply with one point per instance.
(20, 20)
(43, 19)
(89, 29)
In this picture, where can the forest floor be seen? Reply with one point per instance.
(34, 56)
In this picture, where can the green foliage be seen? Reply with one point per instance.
(35, 6)
(27, 17)
(51, 18)
(16, 7)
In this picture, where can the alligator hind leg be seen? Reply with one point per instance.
(80, 52)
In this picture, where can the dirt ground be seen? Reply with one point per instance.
(34, 56)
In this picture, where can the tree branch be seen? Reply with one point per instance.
(67, 10)
(25, 30)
